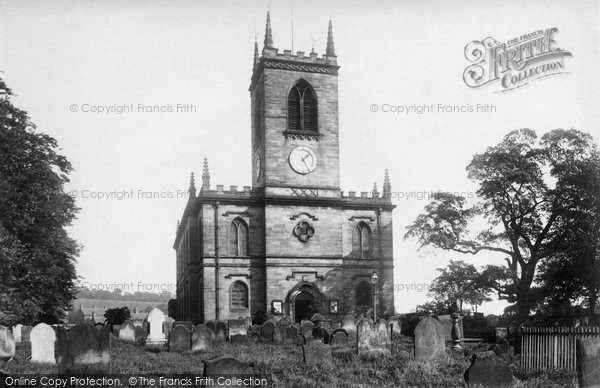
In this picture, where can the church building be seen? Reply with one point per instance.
(292, 244)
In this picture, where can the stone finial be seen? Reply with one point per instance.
(330, 47)
(256, 56)
(192, 189)
(205, 176)
(387, 187)
(375, 192)
(268, 32)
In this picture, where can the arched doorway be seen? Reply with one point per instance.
(302, 306)
(304, 300)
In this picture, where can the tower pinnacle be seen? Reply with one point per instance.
(192, 189)
(387, 186)
(330, 47)
(256, 56)
(205, 176)
(268, 32)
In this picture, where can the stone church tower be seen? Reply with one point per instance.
(293, 243)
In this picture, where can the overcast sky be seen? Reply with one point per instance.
(61, 58)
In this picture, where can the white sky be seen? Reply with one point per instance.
(55, 54)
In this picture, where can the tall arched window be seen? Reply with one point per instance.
(239, 295)
(302, 108)
(361, 241)
(363, 294)
(237, 238)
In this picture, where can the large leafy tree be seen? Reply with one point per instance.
(522, 196)
(37, 257)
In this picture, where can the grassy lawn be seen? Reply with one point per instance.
(285, 364)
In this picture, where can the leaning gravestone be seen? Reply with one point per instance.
(349, 324)
(429, 339)
(16, 331)
(156, 337)
(202, 339)
(180, 339)
(486, 370)
(127, 332)
(279, 335)
(317, 353)
(25, 332)
(221, 332)
(42, 339)
(588, 362)
(227, 367)
(266, 331)
(83, 350)
(7, 344)
(237, 327)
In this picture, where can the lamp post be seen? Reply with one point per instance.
(374, 282)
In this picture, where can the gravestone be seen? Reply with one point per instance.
(349, 325)
(237, 327)
(322, 334)
(396, 324)
(221, 333)
(588, 362)
(306, 327)
(7, 344)
(16, 331)
(486, 370)
(238, 339)
(83, 350)
(115, 330)
(373, 338)
(25, 332)
(187, 324)
(306, 338)
(180, 339)
(339, 338)
(229, 368)
(291, 334)
(501, 334)
(279, 335)
(168, 326)
(156, 319)
(446, 321)
(317, 353)
(266, 331)
(317, 318)
(42, 343)
(202, 339)
(501, 347)
(429, 339)
(127, 332)
(139, 333)
(212, 326)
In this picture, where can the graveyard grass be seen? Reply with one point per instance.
(285, 363)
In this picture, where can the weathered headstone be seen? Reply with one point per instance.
(317, 318)
(339, 338)
(396, 324)
(156, 337)
(127, 332)
(322, 334)
(317, 353)
(42, 338)
(202, 339)
(502, 347)
(229, 368)
(306, 327)
(7, 344)
(139, 333)
(25, 332)
(83, 350)
(237, 327)
(349, 325)
(306, 338)
(588, 362)
(279, 335)
(291, 334)
(486, 370)
(188, 325)
(180, 339)
(238, 339)
(16, 331)
(221, 332)
(429, 339)
(373, 338)
(266, 331)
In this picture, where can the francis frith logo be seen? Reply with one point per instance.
(515, 63)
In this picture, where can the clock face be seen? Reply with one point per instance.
(303, 160)
(257, 164)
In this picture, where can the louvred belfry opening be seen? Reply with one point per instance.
(302, 108)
